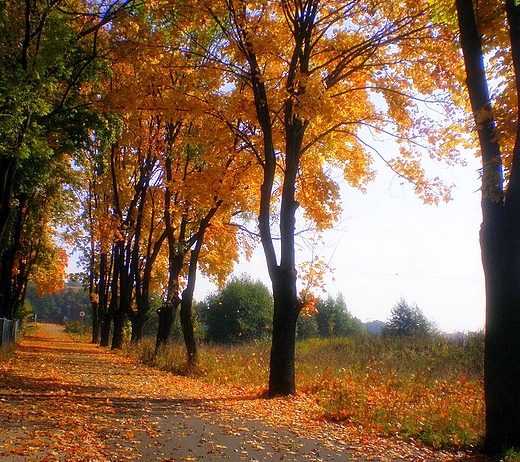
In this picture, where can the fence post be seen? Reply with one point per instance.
(9, 331)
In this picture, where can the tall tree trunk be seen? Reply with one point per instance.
(119, 325)
(94, 300)
(114, 297)
(186, 314)
(8, 165)
(166, 318)
(138, 322)
(188, 331)
(106, 326)
(500, 243)
(175, 255)
(8, 281)
(286, 303)
(167, 311)
(123, 308)
(286, 310)
(101, 312)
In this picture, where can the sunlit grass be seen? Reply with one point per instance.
(427, 390)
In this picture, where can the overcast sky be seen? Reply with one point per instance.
(389, 244)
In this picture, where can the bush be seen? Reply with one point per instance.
(334, 320)
(240, 312)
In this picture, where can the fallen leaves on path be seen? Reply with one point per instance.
(70, 401)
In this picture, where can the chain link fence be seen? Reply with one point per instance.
(9, 330)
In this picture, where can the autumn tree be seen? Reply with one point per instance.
(49, 57)
(31, 247)
(198, 175)
(91, 231)
(303, 79)
(203, 190)
(490, 33)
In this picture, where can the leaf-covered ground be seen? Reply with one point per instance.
(62, 400)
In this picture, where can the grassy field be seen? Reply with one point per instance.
(428, 390)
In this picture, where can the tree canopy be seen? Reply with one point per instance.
(207, 127)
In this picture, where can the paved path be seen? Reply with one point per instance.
(62, 400)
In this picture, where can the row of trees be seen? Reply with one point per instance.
(49, 54)
(184, 129)
(198, 133)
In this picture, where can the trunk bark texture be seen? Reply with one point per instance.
(166, 318)
(500, 243)
(286, 310)
(8, 167)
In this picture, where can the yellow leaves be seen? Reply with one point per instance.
(318, 194)
(49, 268)
(314, 101)
(430, 191)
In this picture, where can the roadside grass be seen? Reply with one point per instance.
(79, 331)
(426, 390)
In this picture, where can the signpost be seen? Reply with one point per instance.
(82, 316)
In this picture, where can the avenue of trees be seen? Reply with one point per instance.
(170, 137)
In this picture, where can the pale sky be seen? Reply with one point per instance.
(389, 244)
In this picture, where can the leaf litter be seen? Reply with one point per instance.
(62, 400)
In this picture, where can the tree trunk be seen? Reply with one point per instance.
(123, 308)
(286, 309)
(187, 329)
(94, 302)
(166, 318)
(8, 282)
(501, 258)
(96, 326)
(106, 325)
(114, 298)
(500, 243)
(101, 312)
(119, 325)
(6, 267)
(138, 322)
(8, 167)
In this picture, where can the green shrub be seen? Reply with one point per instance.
(240, 313)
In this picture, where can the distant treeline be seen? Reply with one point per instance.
(59, 306)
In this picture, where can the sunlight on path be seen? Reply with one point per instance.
(62, 400)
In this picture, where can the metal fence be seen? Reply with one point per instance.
(9, 330)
